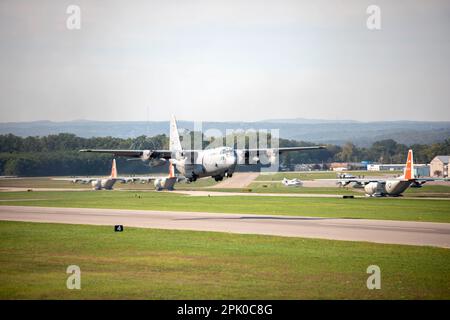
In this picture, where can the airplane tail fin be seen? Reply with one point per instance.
(409, 169)
(114, 169)
(174, 143)
(171, 170)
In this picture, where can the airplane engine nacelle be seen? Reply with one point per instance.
(157, 162)
(271, 156)
(159, 183)
(146, 154)
(165, 183)
(103, 183)
(96, 184)
(371, 188)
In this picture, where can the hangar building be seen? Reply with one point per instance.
(439, 166)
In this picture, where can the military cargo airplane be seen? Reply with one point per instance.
(375, 187)
(162, 183)
(217, 162)
(106, 183)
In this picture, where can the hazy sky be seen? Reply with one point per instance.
(224, 60)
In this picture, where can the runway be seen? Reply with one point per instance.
(379, 231)
(239, 180)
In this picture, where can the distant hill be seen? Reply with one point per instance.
(318, 131)
(308, 121)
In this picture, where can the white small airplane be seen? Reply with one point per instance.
(106, 183)
(392, 187)
(346, 176)
(292, 183)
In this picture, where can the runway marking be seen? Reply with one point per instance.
(378, 231)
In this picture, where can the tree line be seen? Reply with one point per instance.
(55, 155)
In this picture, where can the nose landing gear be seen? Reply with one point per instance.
(228, 175)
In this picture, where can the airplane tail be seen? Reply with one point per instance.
(114, 169)
(174, 143)
(409, 169)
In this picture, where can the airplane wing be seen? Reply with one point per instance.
(148, 154)
(430, 179)
(76, 180)
(347, 181)
(145, 179)
(125, 179)
(368, 180)
(286, 149)
(166, 154)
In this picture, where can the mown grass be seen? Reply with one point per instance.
(277, 187)
(368, 208)
(429, 191)
(163, 264)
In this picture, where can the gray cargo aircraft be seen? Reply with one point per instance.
(392, 187)
(106, 183)
(217, 162)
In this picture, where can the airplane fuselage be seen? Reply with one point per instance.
(392, 188)
(106, 184)
(217, 163)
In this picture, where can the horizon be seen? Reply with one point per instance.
(275, 120)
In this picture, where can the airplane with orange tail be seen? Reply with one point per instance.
(162, 183)
(106, 183)
(391, 187)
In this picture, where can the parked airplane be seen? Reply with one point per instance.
(101, 183)
(193, 164)
(162, 183)
(391, 187)
(292, 183)
(346, 176)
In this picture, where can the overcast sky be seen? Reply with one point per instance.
(224, 60)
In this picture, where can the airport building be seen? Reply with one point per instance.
(420, 170)
(439, 166)
(342, 166)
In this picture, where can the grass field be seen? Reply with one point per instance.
(429, 190)
(277, 187)
(162, 264)
(369, 208)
